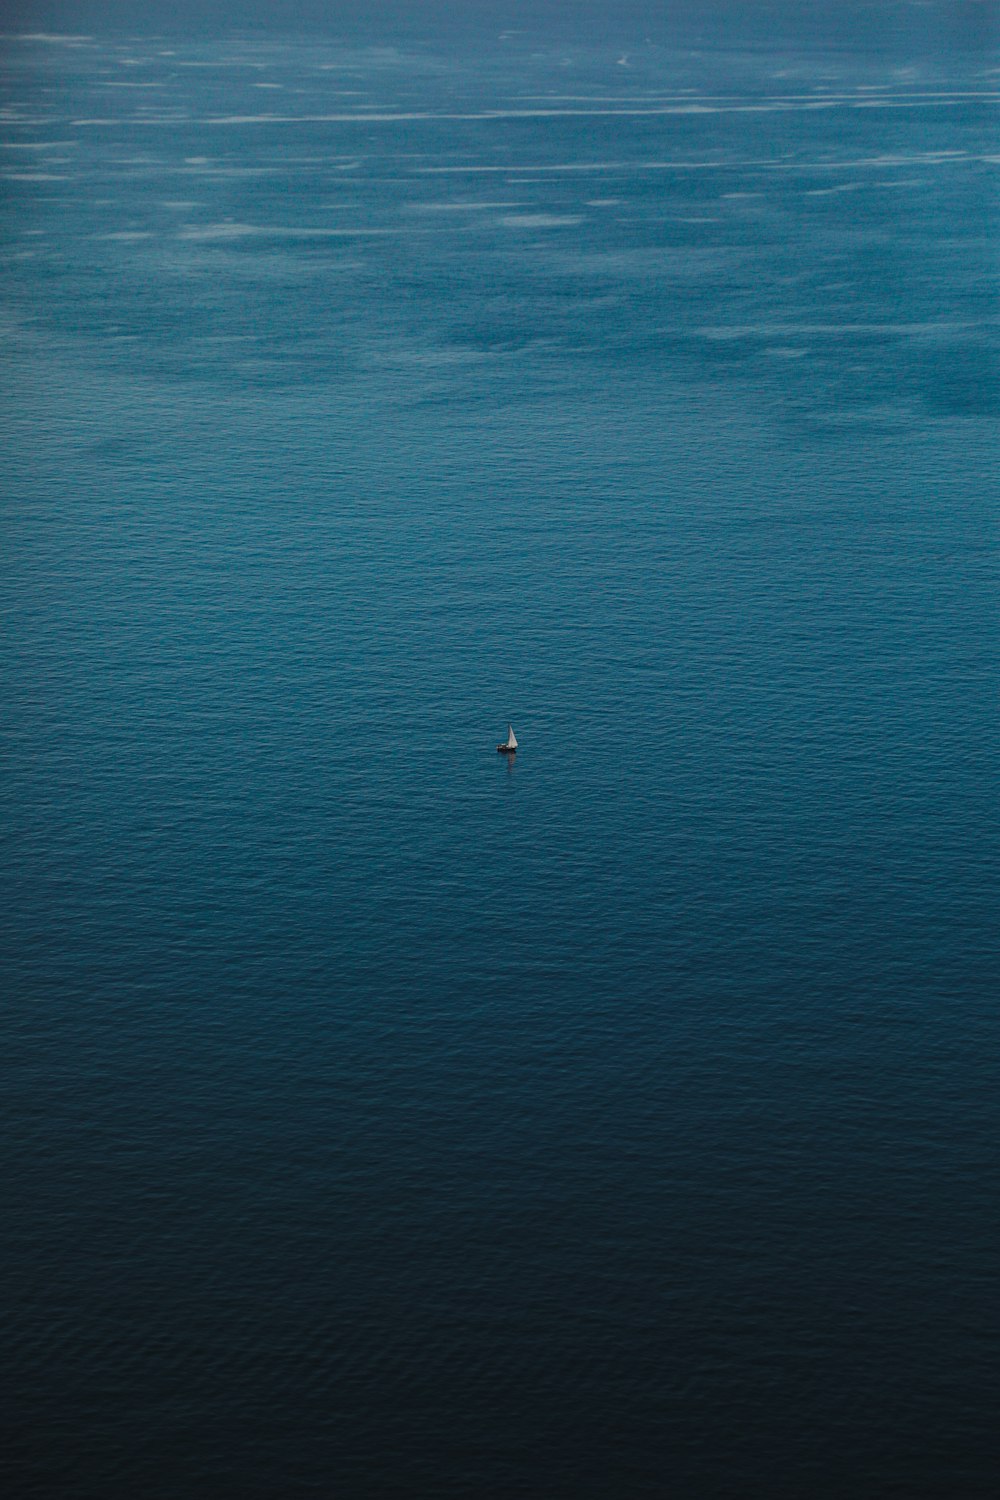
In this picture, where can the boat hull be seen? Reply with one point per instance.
(506, 750)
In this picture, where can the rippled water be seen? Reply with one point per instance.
(384, 1117)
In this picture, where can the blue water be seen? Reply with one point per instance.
(385, 1117)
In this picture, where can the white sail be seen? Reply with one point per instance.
(511, 741)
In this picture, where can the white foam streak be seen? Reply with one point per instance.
(901, 159)
(837, 330)
(539, 221)
(475, 206)
(275, 231)
(355, 117)
(50, 38)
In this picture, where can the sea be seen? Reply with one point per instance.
(386, 1118)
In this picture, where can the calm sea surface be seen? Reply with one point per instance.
(385, 1118)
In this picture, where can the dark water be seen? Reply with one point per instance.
(384, 1118)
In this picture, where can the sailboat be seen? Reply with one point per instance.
(509, 747)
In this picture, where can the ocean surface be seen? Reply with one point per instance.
(384, 1117)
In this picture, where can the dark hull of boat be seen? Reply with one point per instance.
(506, 750)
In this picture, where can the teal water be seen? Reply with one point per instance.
(384, 1118)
